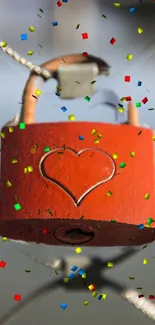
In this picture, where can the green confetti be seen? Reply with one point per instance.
(140, 132)
(22, 125)
(56, 272)
(27, 271)
(49, 211)
(138, 104)
(144, 246)
(87, 98)
(131, 277)
(150, 220)
(47, 149)
(113, 221)
(104, 16)
(77, 26)
(30, 52)
(99, 136)
(146, 196)
(122, 165)
(93, 82)
(17, 207)
(139, 288)
(41, 10)
(82, 218)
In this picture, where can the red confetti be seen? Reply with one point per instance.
(141, 296)
(128, 98)
(85, 53)
(127, 78)
(17, 297)
(84, 35)
(144, 100)
(59, 3)
(44, 231)
(151, 297)
(2, 264)
(113, 41)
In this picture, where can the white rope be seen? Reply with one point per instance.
(37, 69)
(143, 304)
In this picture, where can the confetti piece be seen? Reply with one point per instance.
(2, 135)
(17, 297)
(132, 9)
(78, 250)
(81, 137)
(140, 30)
(94, 294)
(127, 78)
(65, 1)
(104, 296)
(11, 129)
(132, 154)
(4, 239)
(34, 97)
(84, 35)
(8, 184)
(64, 109)
(47, 149)
(93, 82)
(113, 41)
(81, 272)
(94, 131)
(104, 16)
(31, 29)
(30, 52)
(65, 280)
(71, 117)
(138, 288)
(85, 54)
(151, 297)
(146, 196)
(87, 98)
(123, 99)
(22, 125)
(55, 23)
(100, 297)
(27, 271)
(144, 100)
(131, 277)
(4, 44)
(122, 165)
(99, 135)
(113, 221)
(49, 211)
(150, 220)
(140, 296)
(41, 10)
(109, 193)
(141, 226)
(115, 155)
(145, 261)
(110, 264)
(84, 276)
(86, 303)
(140, 132)
(63, 305)
(77, 26)
(128, 98)
(96, 141)
(24, 37)
(17, 207)
(151, 109)
(71, 276)
(92, 287)
(38, 92)
(14, 161)
(153, 138)
(2, 264)
(120, 109)
(117, 4)
(129, 57)
(74, 268)
(139, 83)
(138, 104)
(30, 169)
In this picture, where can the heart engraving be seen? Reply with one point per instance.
(77, 173)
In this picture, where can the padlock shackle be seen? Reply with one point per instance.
(29, 97)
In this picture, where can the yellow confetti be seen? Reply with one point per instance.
(96, 141)
(94, 294)
(30, 169)
(84, 276)
(4, 44)
(31, 29)
(123, 99)
(71, 117)
(14, 161)
(4, 239)
(132, 154)
(59, 88)
(153, 137)
(8, 184)
(86, 303)
(33, 150)
(2, 135)
(78, 250)
(94, 131)
(99, 136)
(117, 4)
(129, 57)
(145, 261)
(109, 193)
(25, 170)
(120, 109)
(104, 296)
(65, 280)
(30, 52)
(110, 264)
(11, 129)
(146, 196)
(115, 155)
(38, 92)
(147, 225)
(140, 30)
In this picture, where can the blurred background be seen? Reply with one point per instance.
(48, 42)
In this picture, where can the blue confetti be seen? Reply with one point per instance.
(57, 93)
(81, 272)
(81, 137)
(24, 37)
(120, 105)
(55, 23)
(65, 1)
(74, 268)
(100, 297)
(139, 83)
(63, 306)
(71, 276)
(132, 9)
(141, 226)
(64, 109)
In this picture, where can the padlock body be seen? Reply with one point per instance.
(78, 183)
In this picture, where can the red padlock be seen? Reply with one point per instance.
(59, 190)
